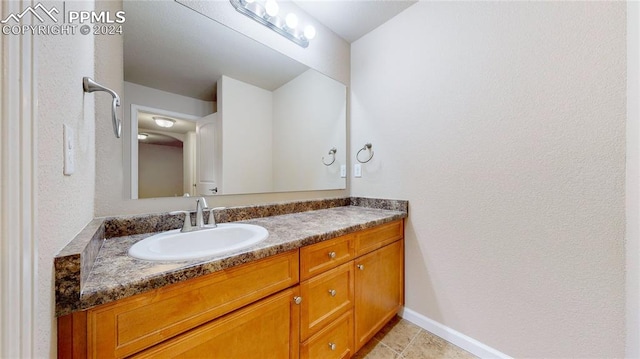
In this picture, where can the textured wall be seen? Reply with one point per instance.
(632, 246)
(503, 123)
(65, 203)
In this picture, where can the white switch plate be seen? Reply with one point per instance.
(69, 150)
(343, 171)
(357, 170)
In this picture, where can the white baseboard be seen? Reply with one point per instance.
(467, 343)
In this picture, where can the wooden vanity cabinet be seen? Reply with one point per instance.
(371, 262)
(128, 326)
(323, 301)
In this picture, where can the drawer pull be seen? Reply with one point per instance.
(332, 346)
(332, 255)
(332, 292)
(297, 300)
(360, 266)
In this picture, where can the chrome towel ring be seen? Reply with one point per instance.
(332, 152)
(88, 85)
(367, 146)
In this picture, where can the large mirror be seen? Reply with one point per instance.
(212, 111)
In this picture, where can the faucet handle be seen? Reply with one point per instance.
(186, 226)
(212, 219)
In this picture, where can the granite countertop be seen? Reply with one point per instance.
(115, 275)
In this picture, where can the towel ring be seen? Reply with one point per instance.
(367, 146)
(88, 85)
(332, 152)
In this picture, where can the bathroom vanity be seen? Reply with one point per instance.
(313, 290)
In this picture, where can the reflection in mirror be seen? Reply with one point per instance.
(248, 119)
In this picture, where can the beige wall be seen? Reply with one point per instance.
(632, 245)
(308, 120)
(503, 124)
(65, 203)
(160, 171)
(246, 112)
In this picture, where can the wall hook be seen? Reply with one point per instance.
(367, 146)
(88, 85)
(332, 152)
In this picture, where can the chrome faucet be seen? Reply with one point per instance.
(201, 206)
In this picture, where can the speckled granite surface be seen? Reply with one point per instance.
(390, 204)
(73, 264)
(126, 226)
(110, 274)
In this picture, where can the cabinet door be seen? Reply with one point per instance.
(266, 329)
(378, 290)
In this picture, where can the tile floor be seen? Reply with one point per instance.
(401, 339)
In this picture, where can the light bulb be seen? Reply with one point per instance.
(309, 32)
(271, 7)
(291, 20)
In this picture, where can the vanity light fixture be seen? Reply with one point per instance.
(142, 136)
(164, 121)
(267, 15)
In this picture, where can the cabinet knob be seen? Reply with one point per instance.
(332, 255)
(332, 346)
(297, 300)
(332, 292)
(360, 266)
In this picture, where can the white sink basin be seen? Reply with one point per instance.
(175, 245)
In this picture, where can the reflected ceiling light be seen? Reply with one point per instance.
(267, 15)
(142, 136)
(164, 121)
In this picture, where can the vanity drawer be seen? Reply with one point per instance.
(324, 298)
(320, 257)
(124, 327)
(334, 341)
(378, 237)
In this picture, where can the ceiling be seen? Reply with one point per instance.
(157, 135)
(189, 60)
(351, 19)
